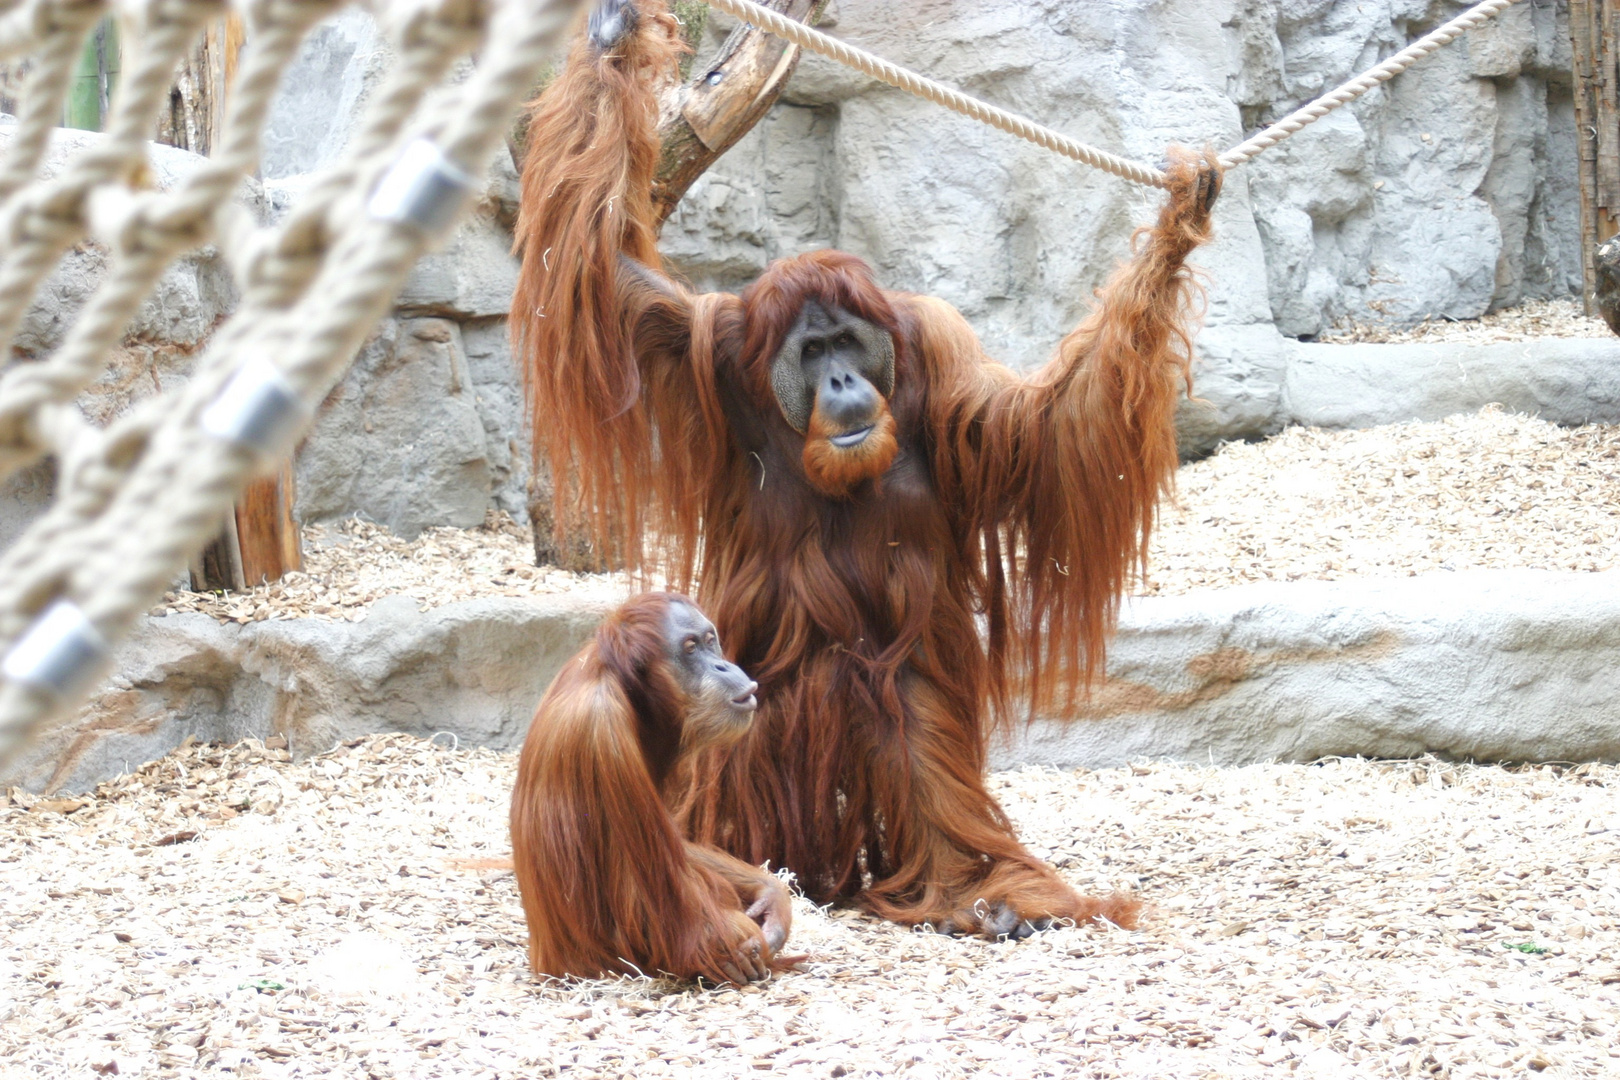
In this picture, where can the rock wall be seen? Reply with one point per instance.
(188, 301)
(1448, 191)
(1515, 665)
(1445, 192)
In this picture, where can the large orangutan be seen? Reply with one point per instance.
(895, 535)
(608, 884)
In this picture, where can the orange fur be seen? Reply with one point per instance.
(834, 470)
(587, 185)
(889, 628)
(608, 884)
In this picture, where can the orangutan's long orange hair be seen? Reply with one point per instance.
(892, 624)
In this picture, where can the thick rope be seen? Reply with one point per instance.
(135, 500)
(1423, 46)
(926, 88)
(1013, 124)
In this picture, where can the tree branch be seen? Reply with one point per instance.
(705, 116)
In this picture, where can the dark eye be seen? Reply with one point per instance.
(843, 341)
(690, 645)
(812, 349)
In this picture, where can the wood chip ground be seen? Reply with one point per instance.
(1530, 319)
(1490, 489)
(225, 911)
(230, 913)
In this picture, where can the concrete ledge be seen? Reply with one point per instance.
(1562, 380)
(1491, 665)
(1514, 665)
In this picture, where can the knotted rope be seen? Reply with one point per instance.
(137, 499)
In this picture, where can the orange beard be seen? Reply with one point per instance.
(833, 470)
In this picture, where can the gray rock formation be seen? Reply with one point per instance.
(188, 300)
(1448, 191)
(323, 93)
(1489, 665)
(476, 669)
(400, 440)
(1492, 665)
(25, 496)
(1570, 381)
(191, 297)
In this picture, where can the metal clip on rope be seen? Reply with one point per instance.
(423, 188)
(60, 653)
(257, 410)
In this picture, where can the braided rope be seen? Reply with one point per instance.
(136, 499)
(1013, 124)
(1423, 46)
(926, 88)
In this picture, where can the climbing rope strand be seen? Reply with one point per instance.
(1423, 46)
(134, 500)
(1013, 124)
(923, 87)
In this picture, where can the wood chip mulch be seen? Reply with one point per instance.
(350, 564)
(1475, 491)
(228, 912)
(1529, 319)
(1486, 490)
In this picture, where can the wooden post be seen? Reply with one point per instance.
(1595, 35)
(266, 535)
(260, 541)
(195, 117)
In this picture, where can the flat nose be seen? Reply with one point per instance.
(846, 397)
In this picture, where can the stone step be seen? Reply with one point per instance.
(1490, 665)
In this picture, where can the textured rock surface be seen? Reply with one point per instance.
(1488, 664)
(476, 669)
(1568, 381)
(25, 496)
(1449, 191)
(400, 440)
(190, 298)
(1446, 192)
(323, 93)
(1492, 665)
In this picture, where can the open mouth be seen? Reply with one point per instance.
(850, 438)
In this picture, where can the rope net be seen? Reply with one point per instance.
(137, 498)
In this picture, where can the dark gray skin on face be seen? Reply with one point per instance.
(838, 361)
(720, 695)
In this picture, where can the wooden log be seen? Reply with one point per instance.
(1594, 30)
(260, 541)
(195, 117)
(705, 116)
(267, 536)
